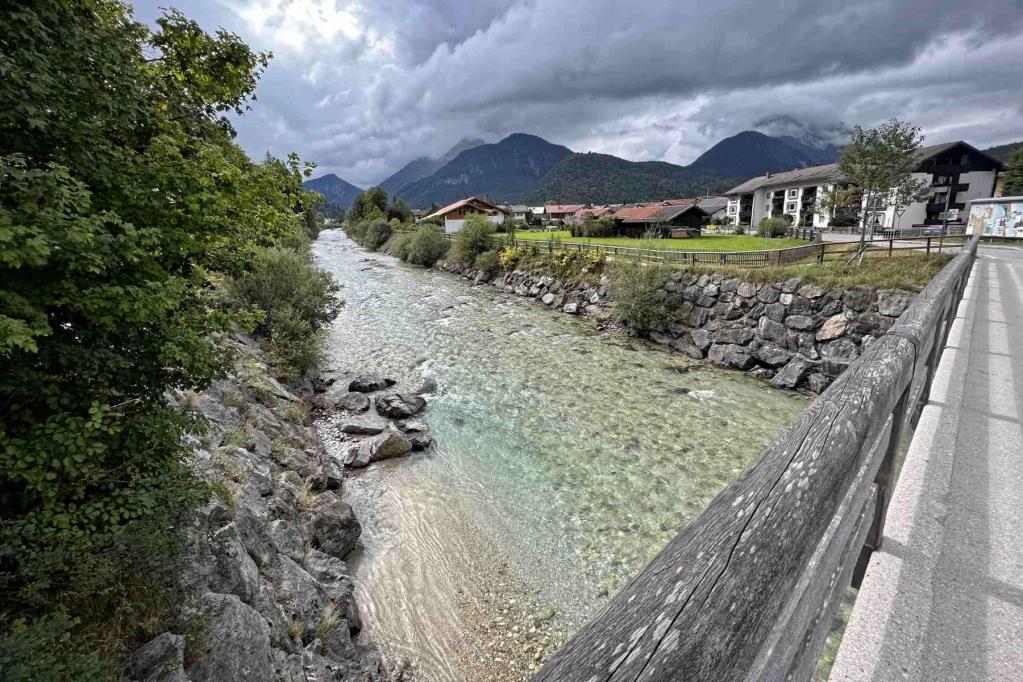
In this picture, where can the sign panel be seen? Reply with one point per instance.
(1003, 219)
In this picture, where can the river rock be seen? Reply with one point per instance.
(300, 595)
(739, 336)
(893, 302)
(377, 448)
(353, 402)
(286, 538)
(412, 425)
(771, 354)
(817, 382)
(428, 386)
(871, 324)
(547, 299)
(331, 525)
(791, 285)
(570, 308)
(775, 311)
(730, 355)
(162, 659)
(659, 338)
(362, 426)
(234, 571)
(399, 405)
(367, 383)
(237, 643)
(792, 374)
(701, 339)
(800, 306)
(699, 317)
(832, 328)
(420, 440)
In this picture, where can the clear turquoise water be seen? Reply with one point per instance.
(574, 455)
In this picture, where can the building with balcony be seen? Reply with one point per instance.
(954, 172)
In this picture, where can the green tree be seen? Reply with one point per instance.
(367, 204)
(876, 166)
(121, 190)
(1014, 175)
(475, 237)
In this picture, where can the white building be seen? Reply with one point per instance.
(955, 173)
(455, 214)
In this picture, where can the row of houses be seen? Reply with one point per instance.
(670, 217)
(955, 173)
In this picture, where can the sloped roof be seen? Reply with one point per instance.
(927, 152)
(661, 212)
(519, 208)
(594, 211)
(712, 204)
(562, 208)
(465, 202)
(826, 172)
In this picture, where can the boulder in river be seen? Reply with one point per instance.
(353, 402)
(331, 525)
(400, 405)
(367, 383)
(383, 446)
(420, 440)
(362, 426)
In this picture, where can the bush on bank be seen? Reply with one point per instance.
(423, 247)
(474, 238)
(124, 203)
(640, 302)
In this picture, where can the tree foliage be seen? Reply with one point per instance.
(368, 205)
(121, 192)
(474, 238)
(1014, 175)
(877, 166)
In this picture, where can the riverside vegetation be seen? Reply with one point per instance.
(136, 240)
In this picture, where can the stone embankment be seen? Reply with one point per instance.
(793, 334)
(272, 598)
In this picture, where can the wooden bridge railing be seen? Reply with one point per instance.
(748, 590)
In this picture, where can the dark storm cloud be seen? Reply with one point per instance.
(361, 88)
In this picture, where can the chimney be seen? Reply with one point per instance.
(767, 174)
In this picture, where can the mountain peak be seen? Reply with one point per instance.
(753, 152)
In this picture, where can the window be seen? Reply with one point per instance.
(793, 193)
(791, 208)
(732, 208)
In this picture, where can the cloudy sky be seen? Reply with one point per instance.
(362, 87)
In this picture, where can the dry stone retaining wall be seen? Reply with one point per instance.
(793, 334)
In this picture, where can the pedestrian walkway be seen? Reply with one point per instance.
(943, 598)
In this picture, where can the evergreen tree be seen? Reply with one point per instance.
(1014, 175)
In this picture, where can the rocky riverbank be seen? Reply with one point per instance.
(272, 595)
(793, 334)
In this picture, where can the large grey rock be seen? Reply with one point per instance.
(377, 448)
(768, 294)
(811, 291)
(399, 405)
(792, 374)
(286, 539)
(237, 643)
(331, 526)
(730, 355)
(832, 328)
(547, 299)
(771, 330)
(363, 426)
(791, 285)
(800, 306)
(893, 302)
(701, 339)
(688, 348)
(699, 317)
(739, 336)
(800, 322)
(659, 338)
(746, 289)
(817, 382)
(234, 571)
(837, 355)
(420, 440)
(367, 383)
(570, 308)
(775, 311)
(162, 659)
(771, 354)
(251, 517)
(857, 298)
(871, 324)
(353, 402)
(300, 595)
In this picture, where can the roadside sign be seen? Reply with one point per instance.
(951, 214)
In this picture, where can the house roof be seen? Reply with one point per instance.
(562, 208)
(661, 212)
(594, 211)
(476, 201)
(712, 204)
(927, 152)
(826, 172)
(519, 208)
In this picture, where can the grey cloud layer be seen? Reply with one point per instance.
(363, 88)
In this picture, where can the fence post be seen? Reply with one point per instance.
(891, 244)
(928, 245)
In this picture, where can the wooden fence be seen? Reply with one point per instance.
(819, 252)
(748, 591)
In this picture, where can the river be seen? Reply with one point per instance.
(565, 459)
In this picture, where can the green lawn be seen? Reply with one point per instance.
(704, 243)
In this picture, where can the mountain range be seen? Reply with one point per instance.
(424, 166)
(525, 168)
